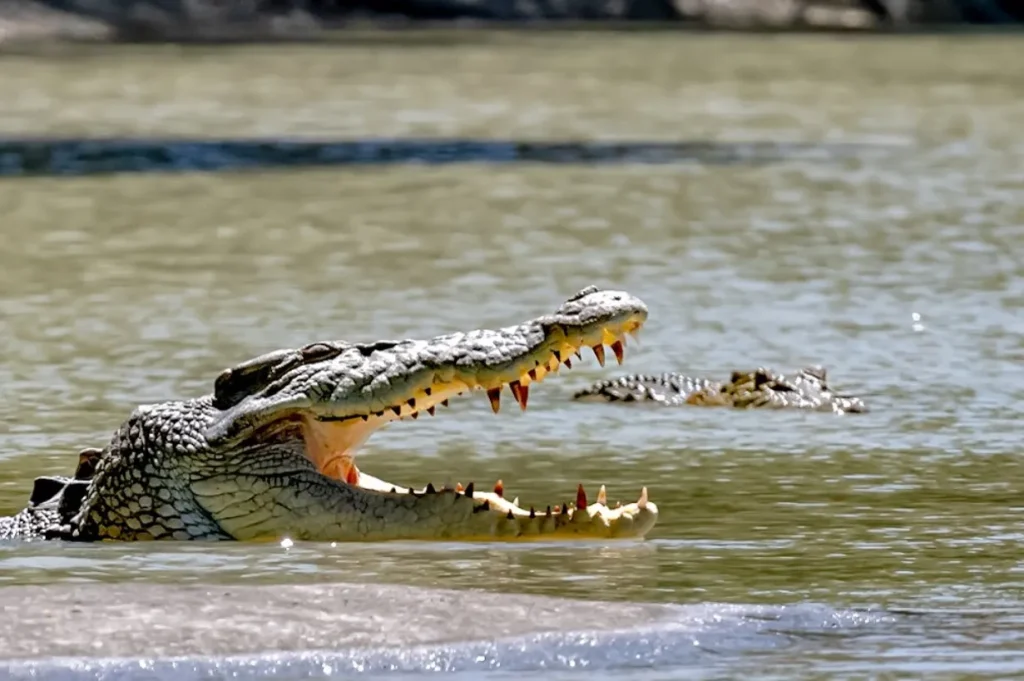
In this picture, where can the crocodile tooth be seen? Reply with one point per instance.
(411, 402)
(599, 353)
(397, 410)
(415, 415)
(394, 491)
(567, 363)
(520, 392)
(565, 509)
(510, 516)
(365, 417)
(427, 391)
(602, 496)
(458, 487)
(533, 513)
(532, 374)
(619, 351)
(494, 395)
(618, 504)
(547, 513)
(430, 488)
(558, 509)
(444, 403)
(557, 354)
(514, 387)
(469, 490)
(431, 410)
(578, 355)
(515, 502)
(499, 488)
(581, 497)
(642, 502)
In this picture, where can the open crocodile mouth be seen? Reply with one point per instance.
(332, 442)
(347, 391)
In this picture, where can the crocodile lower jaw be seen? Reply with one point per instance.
(494, 516)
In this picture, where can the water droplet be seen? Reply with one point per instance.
(286, 543)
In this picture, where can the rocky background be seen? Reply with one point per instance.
(220, 20)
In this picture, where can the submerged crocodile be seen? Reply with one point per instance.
(761, 388)
(271, 452)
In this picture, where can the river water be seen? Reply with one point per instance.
(855, 203)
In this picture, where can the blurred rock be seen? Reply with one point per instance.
(226, 20)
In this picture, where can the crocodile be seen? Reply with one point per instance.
(270, 453)
(807, 389)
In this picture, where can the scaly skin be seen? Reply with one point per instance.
(760, 388)
(270, 453)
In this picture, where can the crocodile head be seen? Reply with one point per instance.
(765, 388)
(271, 453)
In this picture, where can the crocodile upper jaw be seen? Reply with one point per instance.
(331, 443)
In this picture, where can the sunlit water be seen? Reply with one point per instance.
(886, 541)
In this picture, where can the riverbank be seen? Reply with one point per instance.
(31, 21)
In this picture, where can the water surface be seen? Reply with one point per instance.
(896, 264)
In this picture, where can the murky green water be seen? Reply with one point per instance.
(899, 268)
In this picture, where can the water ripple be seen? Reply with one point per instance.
(697, 634)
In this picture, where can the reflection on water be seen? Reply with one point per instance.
(899, 272)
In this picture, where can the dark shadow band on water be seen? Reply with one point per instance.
(77, 157)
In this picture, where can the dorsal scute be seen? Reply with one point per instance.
(88, 460)
(47, 488)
